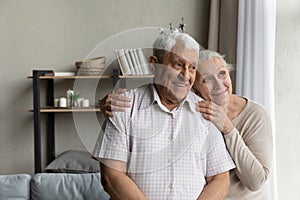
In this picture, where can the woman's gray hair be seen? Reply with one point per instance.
(207, 54)
(165, 42)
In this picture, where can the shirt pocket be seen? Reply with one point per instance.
(148, 141)
(147, 123)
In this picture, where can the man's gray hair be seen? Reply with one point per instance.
(165, 42)
(208, 54)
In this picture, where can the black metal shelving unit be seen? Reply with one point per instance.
(50, 111)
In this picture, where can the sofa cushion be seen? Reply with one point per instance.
(15, 187)
(74, 161)
(63, 186)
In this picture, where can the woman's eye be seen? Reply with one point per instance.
(207, 79)
(222, 74)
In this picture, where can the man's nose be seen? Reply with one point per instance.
(185, 74)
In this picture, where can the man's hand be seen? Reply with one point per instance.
(115, 101)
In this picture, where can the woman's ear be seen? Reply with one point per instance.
(152, 60)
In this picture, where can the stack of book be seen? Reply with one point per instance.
(132, 62)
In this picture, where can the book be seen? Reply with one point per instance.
(120, 54)
(60, 73)
(138, 62)
(134, 62)
(143, 62)
(130, 64)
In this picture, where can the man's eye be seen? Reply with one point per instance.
(177, 65)
(192, 67)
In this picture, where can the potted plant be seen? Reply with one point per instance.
(74, 99)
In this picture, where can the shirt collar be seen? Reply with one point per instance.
(150, 97)
(154, 98)
(190, 101)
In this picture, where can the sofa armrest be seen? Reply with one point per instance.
(15, 187)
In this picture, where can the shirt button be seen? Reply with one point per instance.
(170, 160)
(170, 186)
(170, 137)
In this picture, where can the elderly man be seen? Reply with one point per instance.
(161, 147)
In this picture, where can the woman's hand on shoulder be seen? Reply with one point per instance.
(114, 101)
(216, 114)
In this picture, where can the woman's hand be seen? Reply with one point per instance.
(114, 102)
(216, 114)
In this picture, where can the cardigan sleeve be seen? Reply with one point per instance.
(251, 149)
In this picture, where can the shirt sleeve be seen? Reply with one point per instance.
(114, 143)
(218, 158)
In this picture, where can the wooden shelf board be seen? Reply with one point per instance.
(67, 110)
(139, 76)
(72, 77)
(91, 77)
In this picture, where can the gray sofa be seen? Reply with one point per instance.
(73, 175)
(52, 186)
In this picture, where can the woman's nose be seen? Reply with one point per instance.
(217, 83)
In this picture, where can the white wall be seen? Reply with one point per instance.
(53, 34)
(288, 98)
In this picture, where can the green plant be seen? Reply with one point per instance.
(74, 96)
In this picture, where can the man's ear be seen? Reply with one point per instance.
(152, 60)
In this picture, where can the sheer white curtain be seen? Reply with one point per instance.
(255, 61)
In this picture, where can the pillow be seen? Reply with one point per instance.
(15, 187)
(74, 161)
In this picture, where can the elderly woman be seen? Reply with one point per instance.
(245, 125)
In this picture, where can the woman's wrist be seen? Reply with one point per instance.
(227, 128)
